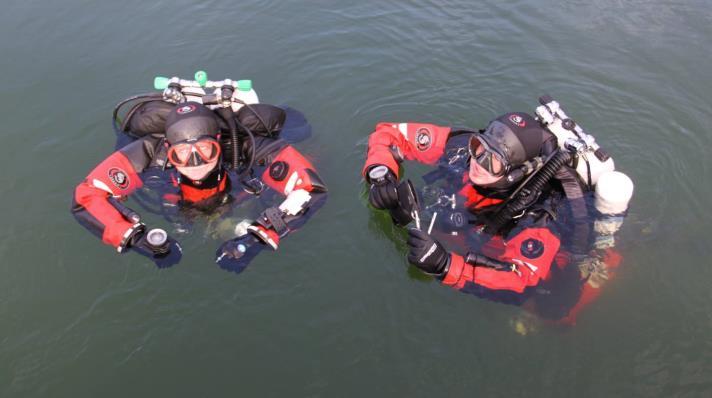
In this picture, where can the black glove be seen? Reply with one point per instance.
(426, 253)
(235, 254)
(168, 255)
(383, 193)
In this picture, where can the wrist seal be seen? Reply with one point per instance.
(440, 275)
(263, 235)
(130, 233)
(378, 174)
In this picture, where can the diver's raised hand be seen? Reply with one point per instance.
(383, 192)
(235, 254)
(426, 253)
(155, 244)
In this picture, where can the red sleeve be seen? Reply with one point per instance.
(421, 142)
(290, 171)
(532, 250)
(115, 176)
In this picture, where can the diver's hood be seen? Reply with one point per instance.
(516, 137)
(190, 121)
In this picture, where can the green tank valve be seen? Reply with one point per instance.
(244, 85)
(201, 77)
(160, 82)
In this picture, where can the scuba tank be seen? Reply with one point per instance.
(613, 189)
(199, 90)
(613, 192)
(591, 161)
(154, 107)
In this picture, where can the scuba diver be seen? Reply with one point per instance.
(206, 143)
(512, 197)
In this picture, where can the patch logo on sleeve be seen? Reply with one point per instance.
(516, 119)
(119, 178)
(185, 109)
(423, 139)
(278, 170)
(532, 248)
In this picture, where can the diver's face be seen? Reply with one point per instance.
(480, 176)
(197, 173)
(195, 159)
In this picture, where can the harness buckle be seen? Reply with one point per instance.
(253, 186)
(274, 218)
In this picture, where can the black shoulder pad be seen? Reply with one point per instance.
(262, 119)
(148, 118)
(141, 152)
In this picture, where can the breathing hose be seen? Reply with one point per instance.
(226, 114)
(236, 142)
(253, 144)
(237, 139)
(534, 185)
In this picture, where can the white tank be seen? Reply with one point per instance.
(588, 160)
(613, 192)
(244, 93)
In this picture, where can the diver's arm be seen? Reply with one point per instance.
(292, 175)
(390, 143)
(525, 272)
(95, 202)
(460, 274)
(432, 258)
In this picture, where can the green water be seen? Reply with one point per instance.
(338, 312)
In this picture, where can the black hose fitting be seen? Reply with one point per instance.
(480, 260)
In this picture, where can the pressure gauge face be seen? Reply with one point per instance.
(157, 237)
(378, 173)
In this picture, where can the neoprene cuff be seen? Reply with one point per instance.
(267, 236)
(445, 269)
